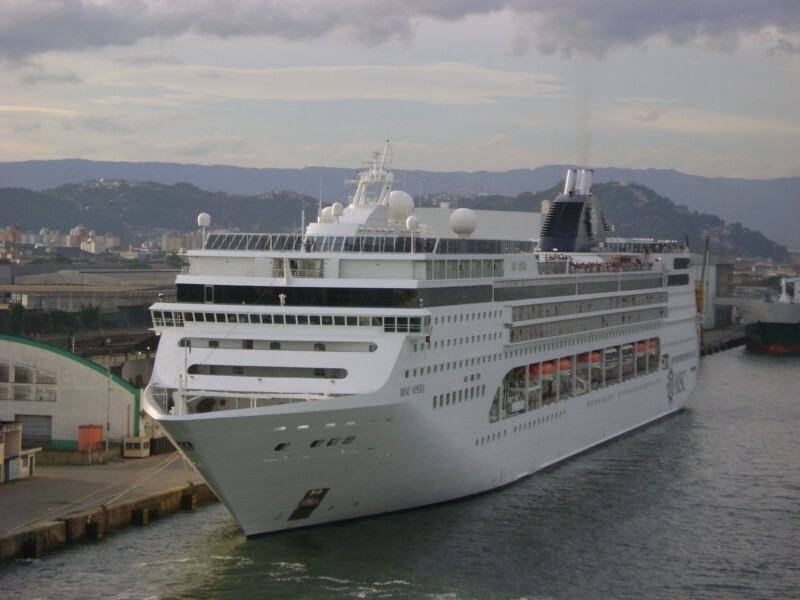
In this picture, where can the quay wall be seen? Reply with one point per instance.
(718, 340)
(94, 524)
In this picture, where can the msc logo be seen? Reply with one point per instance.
(675, 384)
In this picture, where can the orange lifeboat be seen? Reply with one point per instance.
(641, 347)
(533, 371)
(587, 356)
(652, 343)
(564, 364)
(548, 368)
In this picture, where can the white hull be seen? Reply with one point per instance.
(406, 453)
(393, 467)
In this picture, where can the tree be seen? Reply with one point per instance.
(89, 316)
(16, 317)
(175, 261)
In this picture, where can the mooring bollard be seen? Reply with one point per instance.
(31, 548)
(140, 516)
(93, 530)
(188, 500)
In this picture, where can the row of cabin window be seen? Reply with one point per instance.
(571, 326)
(463, 394)
(466, 317)
(684, 356)
(532, 423)
(456, 364)
(317, 443)
(555, 309)
(465, 340)
(389, 324)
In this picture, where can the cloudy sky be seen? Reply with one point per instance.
(707, 87)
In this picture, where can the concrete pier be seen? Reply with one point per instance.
(716, 340)
(63, 505)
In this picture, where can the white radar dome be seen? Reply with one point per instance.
(463, 222)
(401, 204)
(412, 223)
(327, 215)
(337, 209)
(204, 219)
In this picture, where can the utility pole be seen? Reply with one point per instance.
(108, 408)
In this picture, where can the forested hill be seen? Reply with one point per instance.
(768, 205)
(135, 210)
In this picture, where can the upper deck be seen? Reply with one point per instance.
(363, 244)
(291, 243)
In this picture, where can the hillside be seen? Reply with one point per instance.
(137, 210)
(771, 206)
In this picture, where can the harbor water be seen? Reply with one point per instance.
(702, 505)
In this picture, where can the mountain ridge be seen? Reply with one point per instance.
(770, 205)
(136, 210)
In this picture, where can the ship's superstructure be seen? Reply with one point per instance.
(377, 362)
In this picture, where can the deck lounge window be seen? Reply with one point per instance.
(265, 371)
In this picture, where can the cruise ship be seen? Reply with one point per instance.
(391, 356)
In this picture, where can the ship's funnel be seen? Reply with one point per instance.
(585, 185)
(574, 221)
(569, 184)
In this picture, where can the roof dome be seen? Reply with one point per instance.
(401, 204)
(463, 222)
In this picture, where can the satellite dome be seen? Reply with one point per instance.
(412, 223)
(401, 204)
(337, 209)
(463, 222)
(204, 219)
(327, 215)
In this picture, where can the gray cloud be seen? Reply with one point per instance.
(37, 77)
(784, 47)
(649, 116)
(30, 27)
(148, 60)
(99, 124)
